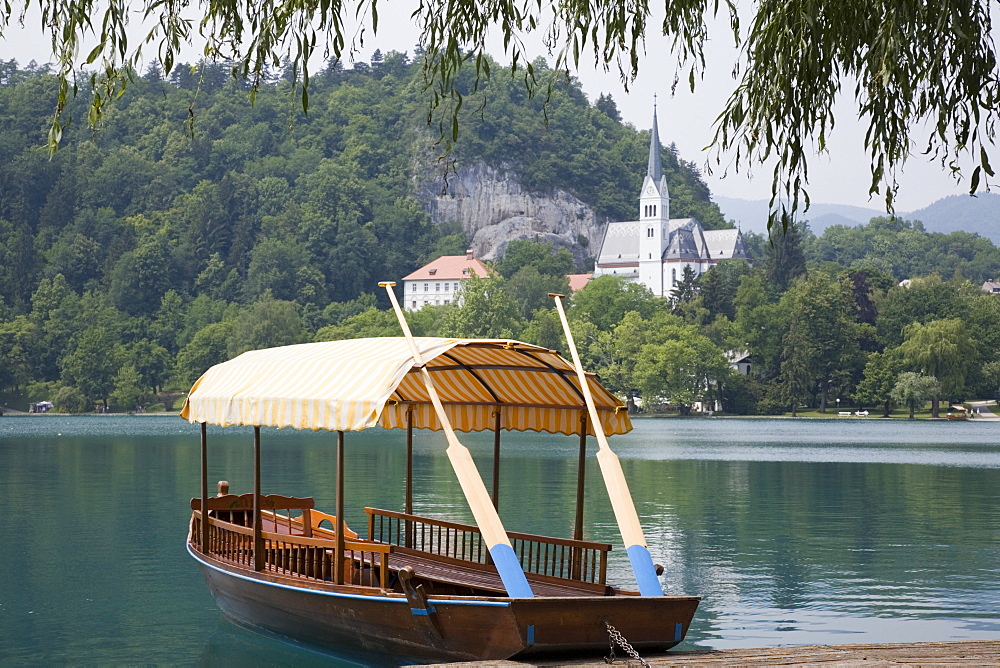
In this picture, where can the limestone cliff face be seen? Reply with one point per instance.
(493, 209)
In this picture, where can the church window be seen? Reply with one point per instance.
(654, 209)
(649, 233)
(673, 275)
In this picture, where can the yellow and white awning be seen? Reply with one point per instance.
(359, 383)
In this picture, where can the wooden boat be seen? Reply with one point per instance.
(414, 588)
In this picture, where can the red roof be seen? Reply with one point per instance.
(578, 281)
(450, 267)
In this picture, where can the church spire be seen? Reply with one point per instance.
(655, 168)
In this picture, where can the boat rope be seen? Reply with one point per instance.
(615, 636)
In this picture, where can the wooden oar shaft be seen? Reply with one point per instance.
(614, 479)
(473, 488)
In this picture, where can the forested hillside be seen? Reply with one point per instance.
(193, 226)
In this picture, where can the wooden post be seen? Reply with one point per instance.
(258, 539)
(339, 566)
(204, 488)
(496, 458)
(408, 500)
(581, 469)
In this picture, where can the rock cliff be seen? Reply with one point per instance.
(493, 210)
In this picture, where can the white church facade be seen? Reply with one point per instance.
(655, 249)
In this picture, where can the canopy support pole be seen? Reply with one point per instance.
(504, 557)
(204, 488)
(339, 555)
(496, 458)
(581, 467)
(614, 479)
(408, 500)
(258, 539)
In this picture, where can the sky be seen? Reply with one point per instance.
(840, 176)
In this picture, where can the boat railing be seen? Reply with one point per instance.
(289, 550)
(561, 558)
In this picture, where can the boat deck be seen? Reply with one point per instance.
(460, 577)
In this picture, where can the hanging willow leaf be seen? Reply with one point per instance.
(914, 63)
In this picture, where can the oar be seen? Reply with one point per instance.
(475, 492)
(614, 480)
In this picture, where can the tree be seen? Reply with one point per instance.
(719, 284)
(128, 388)
(92, 365)
(267, 323)
(784, 259)
(521, 253)
(486, 311)
(606, 299)
(943, 349)
(913, 390)
(881, 373)
(681, 371)
(920, 64)
(821, 347)
(685, 290)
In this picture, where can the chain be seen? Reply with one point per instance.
(615, 636)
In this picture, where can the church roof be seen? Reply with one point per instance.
(725, 244)
(450, 267)
(686, 241)
(621, 243)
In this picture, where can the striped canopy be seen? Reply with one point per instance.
(359, 383)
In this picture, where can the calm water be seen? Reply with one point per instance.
(794, 532)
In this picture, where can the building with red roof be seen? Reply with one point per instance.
(438, 282)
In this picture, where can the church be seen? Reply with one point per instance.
(655, 249)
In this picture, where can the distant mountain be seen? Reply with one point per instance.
(752, 214)
(979, 214)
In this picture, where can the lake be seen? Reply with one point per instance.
(792, 531)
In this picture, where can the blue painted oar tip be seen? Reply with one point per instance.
(645, 571)
(509, 568)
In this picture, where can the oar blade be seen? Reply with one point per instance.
(628, 523)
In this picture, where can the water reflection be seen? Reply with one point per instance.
(793, 531)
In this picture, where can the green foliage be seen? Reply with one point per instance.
(605, 300)
(128, 388)
(267, 323)
(881, 372)
(942, 349)
(913, 390)
(362, 325)
(542, 257)
(69, 399)
(902, 249)
(92, 365)
(487, 311)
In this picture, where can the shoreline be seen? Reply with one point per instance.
(941, 653)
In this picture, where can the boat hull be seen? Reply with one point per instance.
(366, 622)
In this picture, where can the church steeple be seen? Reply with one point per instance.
(655, 168)
(654, 216)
